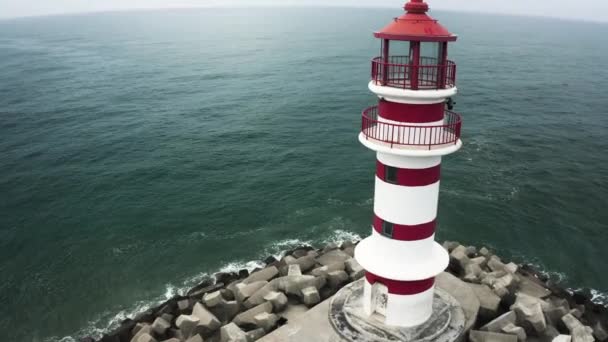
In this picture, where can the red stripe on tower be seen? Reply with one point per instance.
(411, 113)
(399, 287)
(408, 177)
(407, 233)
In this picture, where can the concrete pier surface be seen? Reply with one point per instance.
(341, 318)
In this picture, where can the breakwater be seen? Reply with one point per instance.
(507, 301)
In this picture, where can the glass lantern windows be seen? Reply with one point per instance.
(412, 65)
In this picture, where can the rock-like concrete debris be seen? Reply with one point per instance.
(516, 303)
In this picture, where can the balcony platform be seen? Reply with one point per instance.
(409, 151)
(416, 140)
(406, 95)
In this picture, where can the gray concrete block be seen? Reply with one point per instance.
(265, 274)
(266, 321)
(255, 334)
(232, 333)
(529, 310)
(500, 322)
(160, 325)
(278, 300)
(512, 329)
(531, 287)
(212, 299)
(226, 311)
(577, 330)
(310, 296)
(489, 302)
(167, 317)
(332, 257)
(450, 245)
(195, 338)
(144, 329)
(459, 256)
(145, 337)
(183, 305)
(306, 263)
(600, 332)
(486, 336)
(481, 261)
(243, 291)
(294, 284)
(472, 272)
(495, 264)
(249, 315)
(207, 321)
(137, 328)
(462, 292)
(352, 265)
(324, 270)
(187, 324)
(293, 270)
(336, 279)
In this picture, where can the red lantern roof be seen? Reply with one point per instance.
(416, 25)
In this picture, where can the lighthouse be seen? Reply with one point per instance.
(410, 129)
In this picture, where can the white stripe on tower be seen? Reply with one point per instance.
(406, 205)
(409, 255)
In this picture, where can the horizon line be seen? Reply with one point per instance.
(173, 8)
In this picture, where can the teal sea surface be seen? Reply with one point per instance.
(140, 151)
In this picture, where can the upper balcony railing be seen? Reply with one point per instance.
(411, 136)
(399, 72)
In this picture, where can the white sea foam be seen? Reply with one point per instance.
(106, 321)
(239, 265)
(598, 297)
(556, 277)
(339, 236)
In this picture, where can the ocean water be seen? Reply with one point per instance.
(140, 151)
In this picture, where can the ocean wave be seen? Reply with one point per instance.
(107, 321)
(366, 203)
(598, 297)
(554, 276)
(506, 195)
(237, 266)
(339, 236)
(461, 193)
(336, 202)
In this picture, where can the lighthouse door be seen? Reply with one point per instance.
(379, 300)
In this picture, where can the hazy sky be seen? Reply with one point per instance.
(596, 10)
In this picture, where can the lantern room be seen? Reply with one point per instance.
(414, 52)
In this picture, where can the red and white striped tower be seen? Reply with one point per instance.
(410, 129)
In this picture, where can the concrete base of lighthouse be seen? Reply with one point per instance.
(350, 320)
(317, 323)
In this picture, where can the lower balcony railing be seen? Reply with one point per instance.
(399, 135)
